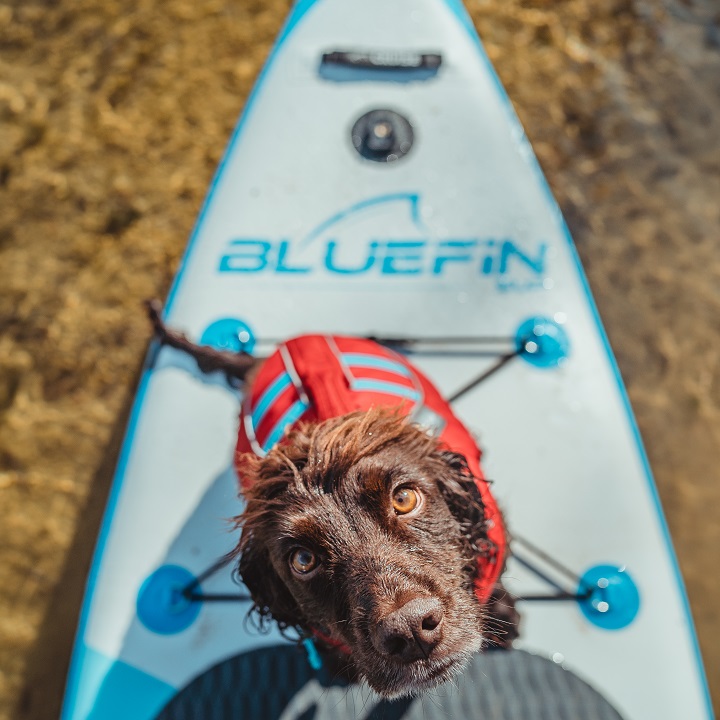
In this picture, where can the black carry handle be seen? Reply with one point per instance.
(379, 65)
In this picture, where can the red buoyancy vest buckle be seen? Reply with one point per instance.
(335, 644)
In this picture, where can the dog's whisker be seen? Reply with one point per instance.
(433, 700)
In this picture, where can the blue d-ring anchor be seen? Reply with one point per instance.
(229, 334)
(613, 599)
(542, 342)
(161, 604)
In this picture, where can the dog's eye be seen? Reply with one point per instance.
(302, 561)
(405, 500)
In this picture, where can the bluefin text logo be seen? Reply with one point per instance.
(327, 250)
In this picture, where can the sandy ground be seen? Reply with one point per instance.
(113, 117)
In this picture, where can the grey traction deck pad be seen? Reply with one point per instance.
(278, 684)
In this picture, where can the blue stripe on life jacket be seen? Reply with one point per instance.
(290, 416)
(386, 387)
(375, 361)
(271, 394)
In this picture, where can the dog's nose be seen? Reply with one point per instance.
(412, 631)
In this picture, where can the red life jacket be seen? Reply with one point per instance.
(316, 377)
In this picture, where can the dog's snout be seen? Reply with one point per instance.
(412, 631)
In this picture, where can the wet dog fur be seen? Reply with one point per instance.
(394, 589)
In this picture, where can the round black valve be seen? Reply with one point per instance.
(382, 136)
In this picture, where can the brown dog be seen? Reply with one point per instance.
(362, 529)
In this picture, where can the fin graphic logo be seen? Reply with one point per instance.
(352, 243)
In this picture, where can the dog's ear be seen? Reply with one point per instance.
(457, 486)
(265, 481)
(271, 597)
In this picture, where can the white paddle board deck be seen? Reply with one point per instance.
(310, 227)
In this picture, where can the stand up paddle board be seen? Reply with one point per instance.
(379, 184)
